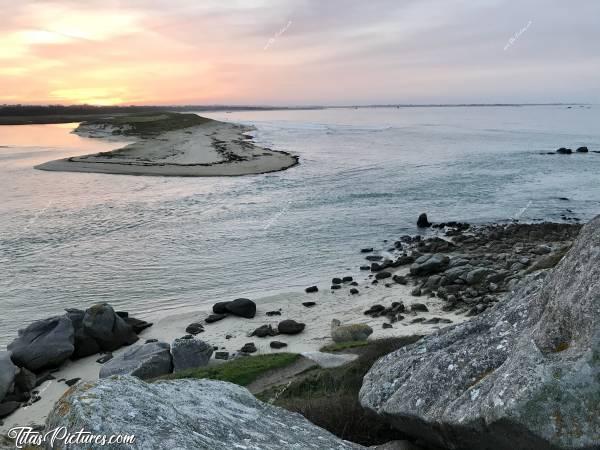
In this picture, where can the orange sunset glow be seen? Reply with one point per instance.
(295, 52)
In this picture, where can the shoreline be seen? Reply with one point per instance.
(169, 144)
(400, 284)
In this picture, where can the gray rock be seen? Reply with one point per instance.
(429, 264)
(108, 329)
(7, 374)
(476, 276)
(190, 353)
(351, 332)
(43, 344)
(522, 375)
(143, 361)
(186, 414)
(85, 345)
(25, 380)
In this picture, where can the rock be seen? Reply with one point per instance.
(476, 276)
(375, 310)
(531, 377)
(7, 374)
(242, 307)
(194, 414)
(564, 151)
(7, 408)
(108, 329)
(335, 286)
(422, 221)
(418, 307)
(399, 279)
(365, 267)
(214, 318)
(25, 380)
(105, 358)
(143, 361)
(44, 343)
(72, 381)
(264, 331)
(273, 313)
(249, 348)
(386, 325)
(347, 279)
(290, 327)
(366, 250)
(354, 291)
(277, 344)
(336, 281)
(220, 307)
(189, 354)
(85, 345)
(382, 275)
(311, 289)
(222, 355)
(582, 150)
(194, 328)
(429, 264)
(43, 377)
(138, 325)
(351, 332)
(308, 304)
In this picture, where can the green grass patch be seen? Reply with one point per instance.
(148, 124)
(329, 397)
(340, 346)
(242, 371)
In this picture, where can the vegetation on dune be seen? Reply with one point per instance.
(340, 346)
(329, 397)
(242, 371)
(145, 124)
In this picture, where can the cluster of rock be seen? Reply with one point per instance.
(471, 268)
(568, 151)
(240, 307)
(154, 359)
(397, 311)
(523, 375)
(44, 345)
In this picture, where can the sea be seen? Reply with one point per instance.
(156, 246)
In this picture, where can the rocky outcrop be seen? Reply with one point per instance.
(194, 414)
(7, 374)
(350, 332)
(190, 353)
(144, 361)
(43, 344)
(85, 344)
(523, 375)
(108, 329)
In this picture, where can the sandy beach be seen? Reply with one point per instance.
(211, 148)
(339, 304)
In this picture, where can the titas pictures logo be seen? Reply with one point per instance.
(60, 437)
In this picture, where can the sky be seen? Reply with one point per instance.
(299, 52)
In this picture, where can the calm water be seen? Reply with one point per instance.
(156, 245)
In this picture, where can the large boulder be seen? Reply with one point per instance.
(350, 332)
(7, 374)
(144, 361)
(194, 414)
(108, 329)
(523, 375)
(429, 264)
(45, 343)
(190, 353)
(85, 345)
(241, 307)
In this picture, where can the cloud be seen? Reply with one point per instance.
(333, 52)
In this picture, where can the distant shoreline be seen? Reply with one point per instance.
(173, 144)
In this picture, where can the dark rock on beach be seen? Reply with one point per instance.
(195, 328)
(264, 331)
(43, 344)
(564, 151)
(290, 327)
(249, 348)
(214, 318)
(308, 304)
(277, 345)
(144, 361)
(108, 329)
(423, 222)
(220, 307)
(311, 289)
(7, 373)
(242, 307)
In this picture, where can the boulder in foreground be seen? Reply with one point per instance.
(194, 414)
(524, 375)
